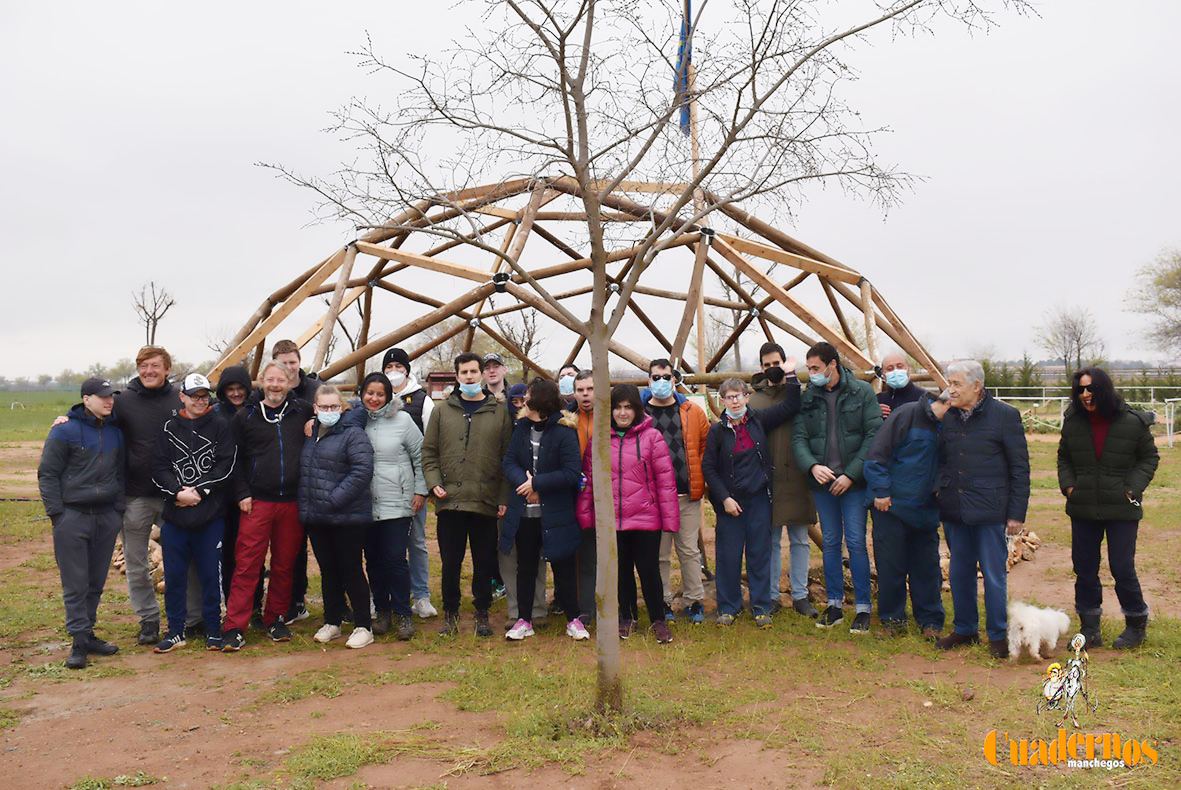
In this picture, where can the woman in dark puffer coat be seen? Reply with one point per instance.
(644, 493)
(1106, 459)
(335, 505)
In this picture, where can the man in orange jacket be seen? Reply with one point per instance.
(684, 426)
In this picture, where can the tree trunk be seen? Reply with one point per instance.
(610, 680)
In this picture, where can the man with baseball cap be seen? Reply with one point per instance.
(194, 459)
(494, 373)
(81, 482)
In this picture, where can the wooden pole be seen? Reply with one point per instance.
(342, 279)
(694, 306)
(871, 346)
(363, 335)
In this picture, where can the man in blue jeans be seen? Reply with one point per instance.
(983, 493)
(839, 416)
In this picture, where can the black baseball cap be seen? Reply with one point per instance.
(97, 386)
(493, 359)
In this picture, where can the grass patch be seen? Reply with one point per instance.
(27, 416)
(343, 754)
(22, 521)
(324, 683)
(9, 718)
(137, 779)
(56, 672)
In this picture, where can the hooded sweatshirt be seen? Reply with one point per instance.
(141, 413)
(82, 464)
(236, 374)
(397, 459)
(416, 402)
(195, 453)
(269, 444)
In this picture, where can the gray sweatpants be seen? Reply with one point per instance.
(83, 544)
(142, 512)
(508, 572)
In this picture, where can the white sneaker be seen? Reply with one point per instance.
(522, 629)
(360, 637)
(422, 607)
(576, 630)
(327, 633)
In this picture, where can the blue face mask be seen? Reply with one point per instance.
(471, 390)
(566, 385)
(818, 379)
(897, 379)
(328, 418)
(661, 389)
(736, 414)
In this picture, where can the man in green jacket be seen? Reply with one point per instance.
(791, 501)
(838, 418)
(466, 439)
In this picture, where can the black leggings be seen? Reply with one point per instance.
(338, 551)
(528, 555)
(456, 528)
(639, 552)
(1086, 539)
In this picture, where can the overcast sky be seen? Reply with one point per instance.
(1048, 147)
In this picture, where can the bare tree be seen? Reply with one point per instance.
(1158, 295)
(1070, 334)
(574, 95)
(151, 303)
(522, 331)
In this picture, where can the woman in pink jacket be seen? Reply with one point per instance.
(644, 492)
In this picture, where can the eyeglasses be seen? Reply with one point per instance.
(337, 407)
(199, 398)
(734, 397)
(662, 377)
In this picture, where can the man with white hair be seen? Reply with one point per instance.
(983, 492)
(899, 389)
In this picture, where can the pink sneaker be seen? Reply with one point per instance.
(522, 629)
(576, 630)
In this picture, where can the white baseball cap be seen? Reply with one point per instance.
(194, 383)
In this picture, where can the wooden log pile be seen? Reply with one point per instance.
(155, 559)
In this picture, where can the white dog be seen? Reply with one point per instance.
(1036, 629)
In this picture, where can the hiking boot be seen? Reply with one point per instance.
(1089, 627)
(832, 616)
(256, 620)
(327, 633)
(405, 627)
(932, 633)
(77, 657)
(297, 612)
(1134, 634)
(450, 624)
(663, 633)
(776, 607)
(626, 627)
(422, 607)
(99, 647)
(232, 641)
(279, 632)
(482, 627)
(861, 623)
(804, 606)
(214, 643)
(520, 630)
(894, 627)
(149, 632)
(576, 630)
(954, 640)
(725, 619)
(170, 643)
(669, 615)
(763, 621)
(383, 622)
(497, 590)
(196, 631)
(998, 648)
(695, 612)
(360, 637)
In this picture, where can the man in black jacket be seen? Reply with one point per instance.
(194, 460)
(270, 436)
(81, 482)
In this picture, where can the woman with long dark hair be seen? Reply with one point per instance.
(543, 468)
(644, 493)
(1106, 459)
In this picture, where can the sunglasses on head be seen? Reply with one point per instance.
(662, 377)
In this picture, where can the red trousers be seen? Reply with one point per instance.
(273, 524)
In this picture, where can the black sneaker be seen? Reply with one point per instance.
(450, 624)
(99, 647)
(195, 631)
(232, 641)
(279, 632)
(169, 643)
(149, 632)
(405, 627)
(297, 612)
(804, 606)
(832, 616)
(860, 624)
(77, 658)
(256, 621)
(214, 643)
(482, 627)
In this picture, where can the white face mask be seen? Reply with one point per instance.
(397, 379)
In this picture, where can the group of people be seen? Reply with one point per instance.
(230, 473)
